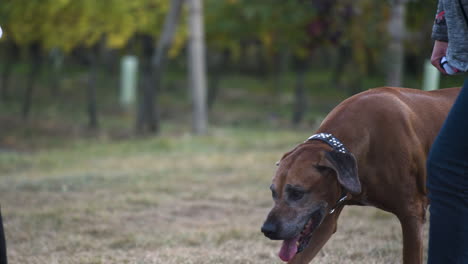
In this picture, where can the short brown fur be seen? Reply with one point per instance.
(389, 131)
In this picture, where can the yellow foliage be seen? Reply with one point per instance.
(180, 39)
(66, 24)
(267, 39)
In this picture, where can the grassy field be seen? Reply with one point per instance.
(170, 199)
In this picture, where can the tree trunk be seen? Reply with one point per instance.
(32, 76)
(93, 62)
(299, 106)
(11, 54)
(280, 67)
(197, 67)
(397, 32)
(341, 61)
(148, 115)
(91, 104)
(4, 93)
(56, 59)
(217, 68)
(142, 108)
(148, 110)
(213, 87)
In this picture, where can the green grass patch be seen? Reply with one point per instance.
(168, 199)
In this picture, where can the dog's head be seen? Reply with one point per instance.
(307, 185)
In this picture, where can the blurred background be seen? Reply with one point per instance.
(148, 128)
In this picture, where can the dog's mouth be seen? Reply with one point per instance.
(298, 243)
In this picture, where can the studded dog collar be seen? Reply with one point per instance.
(337, 146)
(330, 140)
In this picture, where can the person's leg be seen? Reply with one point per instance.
(3, 254)
(447, 182)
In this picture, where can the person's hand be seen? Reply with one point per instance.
(439, 50)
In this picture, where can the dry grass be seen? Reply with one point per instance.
(165, 200)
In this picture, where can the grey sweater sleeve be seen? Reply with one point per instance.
(439, 30)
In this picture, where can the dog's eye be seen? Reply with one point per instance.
(295, 195)
(273, 194)
(323, 169)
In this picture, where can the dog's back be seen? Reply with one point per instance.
(392, 132)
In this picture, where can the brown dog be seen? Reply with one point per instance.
(384, 134)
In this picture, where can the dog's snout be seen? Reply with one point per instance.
(270, 229)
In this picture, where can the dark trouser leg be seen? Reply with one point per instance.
(3, 255)
(447, 182)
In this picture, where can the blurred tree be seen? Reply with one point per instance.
(67, 25)
(300, 102)
(92, 60)
(55, 58)
(197, 66)
(419, 23)
(217, 62)
(10, 53)
(259, 33)
(35, 68)
(363, 40)
(148, 112)
(350, 35)
(276, 26)
(397, 33)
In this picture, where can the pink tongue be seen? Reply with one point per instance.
(288, 249)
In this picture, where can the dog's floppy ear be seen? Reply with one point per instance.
(345, 166)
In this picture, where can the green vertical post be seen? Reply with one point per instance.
(431, 77)
(128, 80)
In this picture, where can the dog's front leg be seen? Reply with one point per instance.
(412, 227)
